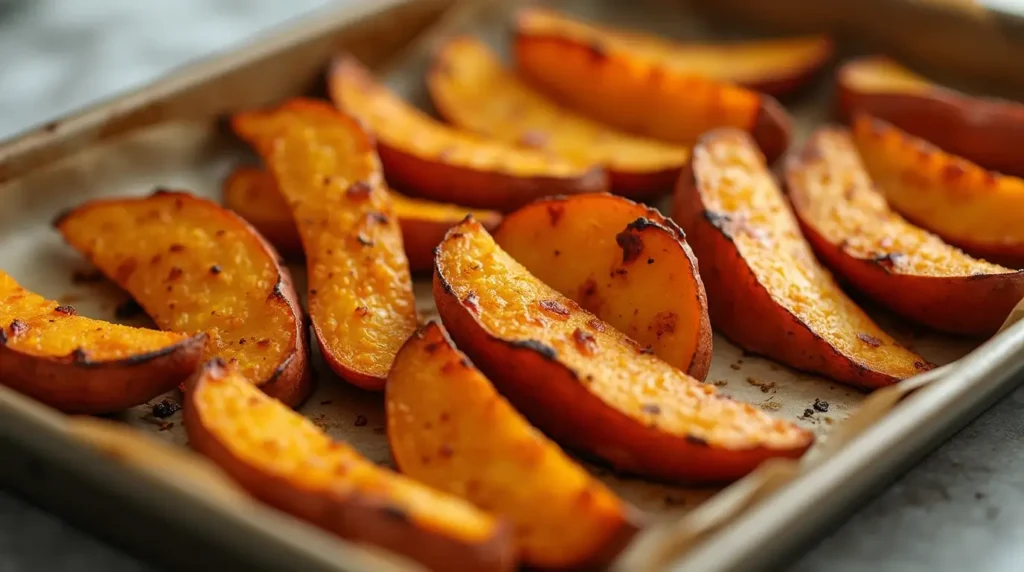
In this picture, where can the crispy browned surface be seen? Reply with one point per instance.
(431, 160)
(80, 365)
(903, 267)
(253, 193)
(286, 461)
(196, 267)
(618, 84)
(766, 291)
(776, 66)
(360, 291)
(987, 131)
(977, 210)
(587, 385)
(625, 263)
(450, 429)
(473, 90)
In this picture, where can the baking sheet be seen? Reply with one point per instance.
(197, 156)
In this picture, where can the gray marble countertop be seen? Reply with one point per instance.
(962, 508)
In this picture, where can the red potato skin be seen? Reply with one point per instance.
(538, 386)
(292, 382)
(712, 243)
(643, 186)
(360, 520)
(934, 301)
(437, 181)
(701, 361)
(81, 386)
(636, 186)
(988, 132)
(771, 127)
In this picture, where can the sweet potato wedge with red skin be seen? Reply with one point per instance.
(252, 193)
(588, 386)
(766, 291)
(80, 365)
(619, 84)
(195, 266)
(289, 463)
(360, 290)
(472, 90)
(984, 130)
(450, 429)
(425, 158)
(903, 267)
(980, 211)
(625, 263)
(775, 66)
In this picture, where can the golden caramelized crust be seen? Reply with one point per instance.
(622, 261)
(360, 291)
(286, 460)
(747, 238)
(196, 267)
(435, 161)
(910, 270)
(449, 428)
(36, 326)
(252, 193)
(880, 74)
(984, 130)
(831, 191)
(81, 365)
(509, 322)
(615, 83)
(773, 66)
(472, 89)
(977, 210)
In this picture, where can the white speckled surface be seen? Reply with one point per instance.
(962, 508)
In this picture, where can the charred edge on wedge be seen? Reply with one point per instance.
(721, 222)
(277, 294)
(80, 357)
(545, 351)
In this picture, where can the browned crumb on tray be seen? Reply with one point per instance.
(765, 386)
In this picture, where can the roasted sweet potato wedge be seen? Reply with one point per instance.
(195, 267)
(901, 266)
(360, 291)
(587, 385)
(987, 131)
(766, 291)
(428, 159)
(473, 90)
(625, 263)
(980, 211)
(80, 365)
(642, 91)
(252, 193)
(776, 66)
(287, 462)
(451, 430)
